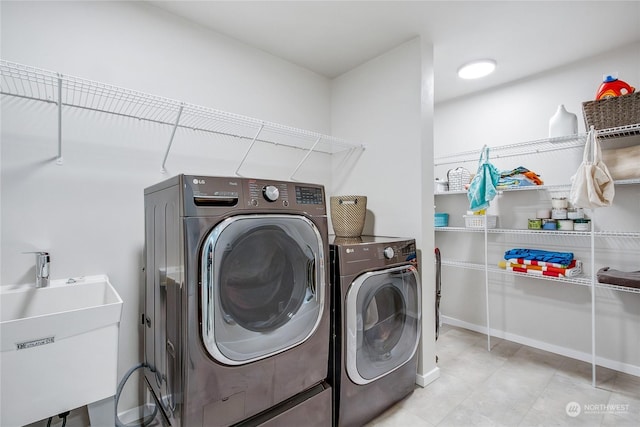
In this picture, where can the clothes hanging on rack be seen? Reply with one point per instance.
(592, 185)
(483, 186)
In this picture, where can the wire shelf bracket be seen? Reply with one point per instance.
(305, 157)
(253, 141)
(173, 134)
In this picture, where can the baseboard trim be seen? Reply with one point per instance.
(424, 380)
(564, 351)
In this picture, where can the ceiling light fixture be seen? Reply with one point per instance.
(477, 69)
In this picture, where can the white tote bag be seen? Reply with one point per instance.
(592, 185)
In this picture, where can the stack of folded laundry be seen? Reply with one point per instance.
(518, 177)
(541, 263)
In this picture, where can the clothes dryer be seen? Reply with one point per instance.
(236, 302)
(376, 313)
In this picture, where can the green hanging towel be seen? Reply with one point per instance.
(483, 186)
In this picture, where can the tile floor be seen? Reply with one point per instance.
(514, 385)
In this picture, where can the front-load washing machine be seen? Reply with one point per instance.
(376, 312)
(236, 302)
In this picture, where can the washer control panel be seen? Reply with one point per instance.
(270, 193)
(388, 252)
(309, 195)
(207, 194)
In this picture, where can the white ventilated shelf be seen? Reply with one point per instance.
(538, 146)
(581, 280)
(36, 84)
(604, 233)
(552, 187)
(519, 149)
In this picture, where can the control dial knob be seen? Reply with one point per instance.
(388, 252)
(271, 193)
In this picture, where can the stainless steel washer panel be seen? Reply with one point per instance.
(192, 387)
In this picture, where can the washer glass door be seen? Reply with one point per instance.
(263, 286)
(383, 322)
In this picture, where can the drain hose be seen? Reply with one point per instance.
(123, 381)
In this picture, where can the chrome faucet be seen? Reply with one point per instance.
(43, 261)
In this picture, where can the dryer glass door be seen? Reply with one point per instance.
(263, 286)
(383, 322)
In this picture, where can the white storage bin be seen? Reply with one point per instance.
(477, 221)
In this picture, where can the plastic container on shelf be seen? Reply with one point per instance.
(441, 220)
(559, 213)
(582, 224)
(543, 213)
(458, 178)
(559, 203)
(534, 224)
(612, 87)
(565, 224)
(575, 213)
(563, 123)
(441, 186)
(477, 221)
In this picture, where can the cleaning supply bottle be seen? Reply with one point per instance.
(612, 87)
(563, 123)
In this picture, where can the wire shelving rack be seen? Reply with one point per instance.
(545, 145)
(27, 82)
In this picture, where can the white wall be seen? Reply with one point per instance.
(89, 212)
(387, 104)
(520, 111)
(555, 316)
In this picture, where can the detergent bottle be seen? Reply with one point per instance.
(612, 87)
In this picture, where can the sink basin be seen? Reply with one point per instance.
(59, 347)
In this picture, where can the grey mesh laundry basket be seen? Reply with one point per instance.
(348, 214)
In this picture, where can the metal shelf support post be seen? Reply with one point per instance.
(593, 302)
(59, 160)
(486, 280)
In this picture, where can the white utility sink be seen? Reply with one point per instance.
(59, 347)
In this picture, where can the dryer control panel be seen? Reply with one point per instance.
(396, 252)
(372, 252)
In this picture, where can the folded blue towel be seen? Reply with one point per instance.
(539, 255)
